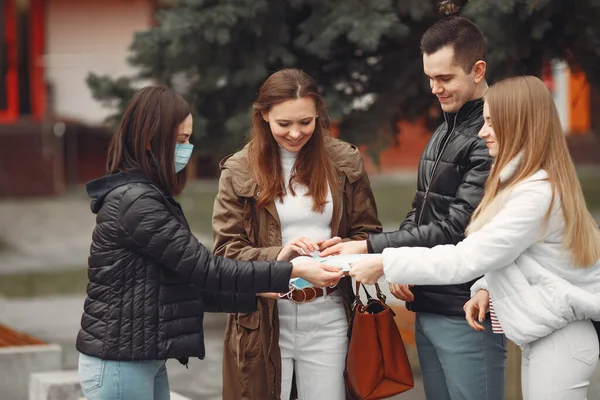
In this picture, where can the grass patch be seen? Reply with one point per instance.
(3, 245)
(591, 191)
(39, 284)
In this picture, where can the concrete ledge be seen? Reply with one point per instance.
(55, 385)
(18, 362)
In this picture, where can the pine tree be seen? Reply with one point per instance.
(364, 54)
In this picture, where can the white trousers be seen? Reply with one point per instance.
(313, 343)
(560, 365)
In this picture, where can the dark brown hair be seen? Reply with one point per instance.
(313, 167)
(462, 35)
(145, 139)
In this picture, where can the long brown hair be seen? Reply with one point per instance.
(313, 167)
(145, 139)
(526, 122)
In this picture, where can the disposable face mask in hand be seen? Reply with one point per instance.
(300, 283)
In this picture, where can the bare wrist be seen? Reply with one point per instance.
(364, 248)
(297, 270)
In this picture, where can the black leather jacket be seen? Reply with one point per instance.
(150, 280)
(451, 178)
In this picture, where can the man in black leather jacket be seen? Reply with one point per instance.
(458, 363)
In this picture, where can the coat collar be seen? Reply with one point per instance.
(511, 168)
(471, 109)
(343, 155)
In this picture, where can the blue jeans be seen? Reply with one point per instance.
(459, 363)
(123, 380)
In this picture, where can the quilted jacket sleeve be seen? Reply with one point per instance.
(450, 229)
(229, 302)
(151, 229)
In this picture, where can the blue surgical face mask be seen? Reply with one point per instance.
(183, 151)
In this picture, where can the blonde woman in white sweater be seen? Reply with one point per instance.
(532, 239)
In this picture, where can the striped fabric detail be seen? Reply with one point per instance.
(496, 328)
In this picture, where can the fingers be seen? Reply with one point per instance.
(269, 295)
(333, 250)
(367, 271)
(395, 291)
(329, 278)
(471, 310)
(303, 245)
(324, 244)
(481, 314)
(404, 293)
(331, 268)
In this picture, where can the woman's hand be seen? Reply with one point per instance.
(269, 295)
(320, 275)
(402, 292)
(476, 308)
(367, 271)
(297, 247)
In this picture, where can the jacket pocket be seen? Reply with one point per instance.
(91, 373)
(245, 339)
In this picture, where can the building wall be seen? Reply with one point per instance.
(89, 36)
(30, 161)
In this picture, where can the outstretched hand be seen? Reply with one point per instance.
(343, 248)
(325, 244)
(320, 275)
(368, 270)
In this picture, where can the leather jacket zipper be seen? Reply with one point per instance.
(437, 161)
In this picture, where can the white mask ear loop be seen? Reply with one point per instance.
(288, 294)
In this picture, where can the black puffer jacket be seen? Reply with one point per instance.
(452, 174)
(150, 280)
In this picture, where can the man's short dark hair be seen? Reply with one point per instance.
(463, 35)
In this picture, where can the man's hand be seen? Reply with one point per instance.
(351, 247)
(402, 292)
(476, 308)
(325, 244)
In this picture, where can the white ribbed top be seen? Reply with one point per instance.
(295, 212)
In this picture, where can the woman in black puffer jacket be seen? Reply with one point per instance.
(150, 280)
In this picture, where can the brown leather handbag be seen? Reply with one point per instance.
(377, 366)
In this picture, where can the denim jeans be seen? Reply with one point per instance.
(459, 363)
(123, 380)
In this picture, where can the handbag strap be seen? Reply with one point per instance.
(382, 297)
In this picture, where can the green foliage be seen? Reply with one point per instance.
(523, 34)
(364, 54)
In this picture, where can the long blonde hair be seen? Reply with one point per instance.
(527, 125)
